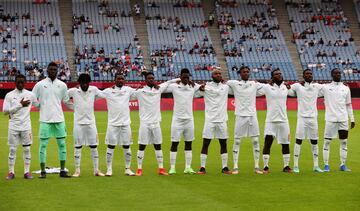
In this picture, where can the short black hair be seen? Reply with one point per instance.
(52, 64)
(84, 78)
(20, 76)
(243, 68)
(148, 73)
(333, 70)
(276, 69)
(184, 71)
(119, 74)
(307, 70)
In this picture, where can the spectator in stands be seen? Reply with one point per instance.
(137, 9)
(56, 33)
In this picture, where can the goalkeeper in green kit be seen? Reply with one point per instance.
(50, 92)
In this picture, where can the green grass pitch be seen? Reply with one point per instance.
(214, 191)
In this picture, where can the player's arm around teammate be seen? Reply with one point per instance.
(276, 123)
(183, 121)
(85, 131)
(216, 99)
(307, 93)
(118, 128)
(246, 124)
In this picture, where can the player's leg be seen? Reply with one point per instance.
(256, 153)
(160, 159)
(59, 131)
(27, 161)
(109, 158)
(286, 157)
(78, 136)
(238, 134)
(297, 148)
(44, 133)
(221, 133)
(314, 136)
(331, 129)
(188, 158)
(224, 156)
(315, 153)
(189, 137)
(13, 141)
(95, 158)
(203, 155)
(127, 158)
(208, 134)
(156, 139)
(177, 129)
(126, 141)
(143, 140)
(11, 161)
(266, 152)
(282, 132)
(26, 140)
(173, 153)
(269, 138)
(343, 136)
(301, 130)
(77, 160)
(111, 140)
(140, 158)
(62, 156)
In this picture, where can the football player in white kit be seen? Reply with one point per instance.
(17, 105)
(307, 93)
(118, 129)
(216, 100)
(276, 123)
(246, 124)
(183, 120)
(150, 117)
(85, 131)
(338, 111)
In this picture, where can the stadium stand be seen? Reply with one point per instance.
(323, 38)
(105, 39)
(251, 36)
(179, 37)
(30, 37)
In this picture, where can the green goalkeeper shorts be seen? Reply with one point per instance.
(57, 130)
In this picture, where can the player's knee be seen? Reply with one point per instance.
(313, 142)
(299, 141)
(111, 146)
(93, 146)
(343, 134)
(174, 146)
(206, 142)
(285, 149)
(157, 146)
(13, 150)
(126, 146)
(61, 143)
(188, 145)
(142, 147)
